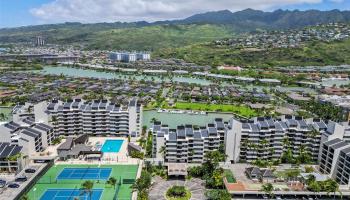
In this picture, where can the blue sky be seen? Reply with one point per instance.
(15, 13)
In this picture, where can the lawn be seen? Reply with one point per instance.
(120, 172)
(237, 109)
(287, 173)
(229, 176)
(7, 113)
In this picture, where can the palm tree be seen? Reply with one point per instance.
(332, 187)
(286, 142)
(112, 181)
(153, 120)
(162, 150)
(87, 187)
(3, 117)
(268, 189)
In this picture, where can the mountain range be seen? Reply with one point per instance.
(143, 35)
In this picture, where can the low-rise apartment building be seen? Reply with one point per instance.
(31, 135)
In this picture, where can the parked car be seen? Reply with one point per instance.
(29, 170)
(21, 179)
(2, 183)
(13, 185)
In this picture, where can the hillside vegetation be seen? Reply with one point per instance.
(126, 38)
(143, 35)
(313, 53)
(156, 37)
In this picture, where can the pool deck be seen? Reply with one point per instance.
(121, 157)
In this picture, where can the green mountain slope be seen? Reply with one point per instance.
(314, 53)
(126, 38)
(171, 33)
(156, 37)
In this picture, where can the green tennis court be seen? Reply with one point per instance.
(125, 175)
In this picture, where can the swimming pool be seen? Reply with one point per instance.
(112, 146)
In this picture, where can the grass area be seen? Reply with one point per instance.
(118, 171)
(313, 54)
(237, 109)
(229, 176)
(287, 173)
(7, 114)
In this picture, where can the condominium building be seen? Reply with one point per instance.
(129, 56)
(268, 138)
(39, 41)
(335, 160)
(244, 140)
(99, 117)
(9, 159)
(186, 143)
(27, 133)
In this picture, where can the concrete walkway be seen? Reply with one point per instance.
(160, 186)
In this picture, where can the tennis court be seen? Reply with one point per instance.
(85, 173)
(71, 194)
(125, 174)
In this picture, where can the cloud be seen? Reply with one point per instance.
(149, 10)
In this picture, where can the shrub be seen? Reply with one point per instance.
(137, 154)
(176, 191)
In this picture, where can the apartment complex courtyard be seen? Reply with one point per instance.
(160, 186)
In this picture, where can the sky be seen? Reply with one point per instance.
(14, 13)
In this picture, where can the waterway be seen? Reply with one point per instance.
(337, 82)
(173, 120)
(89, 73)
(79, 72)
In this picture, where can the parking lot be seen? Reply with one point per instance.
(10, 193)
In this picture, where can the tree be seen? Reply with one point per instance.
(310, 179)
(217, 179)
(153, 120)
(314, 187)
(217, 195)
(162, 150)
(331, 186)
(287, 156)
(112, 181)
(142, 184)
(195, 171)
(87, 187)
(268, 189)
(3, 117)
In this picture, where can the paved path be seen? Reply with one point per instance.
(160, 186)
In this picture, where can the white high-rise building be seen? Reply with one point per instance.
(186, 143)
(267, 138)
(39, 41)
(129, 56)
(99, 117)
(244, 140)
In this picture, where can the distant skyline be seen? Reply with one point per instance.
(14, 13)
